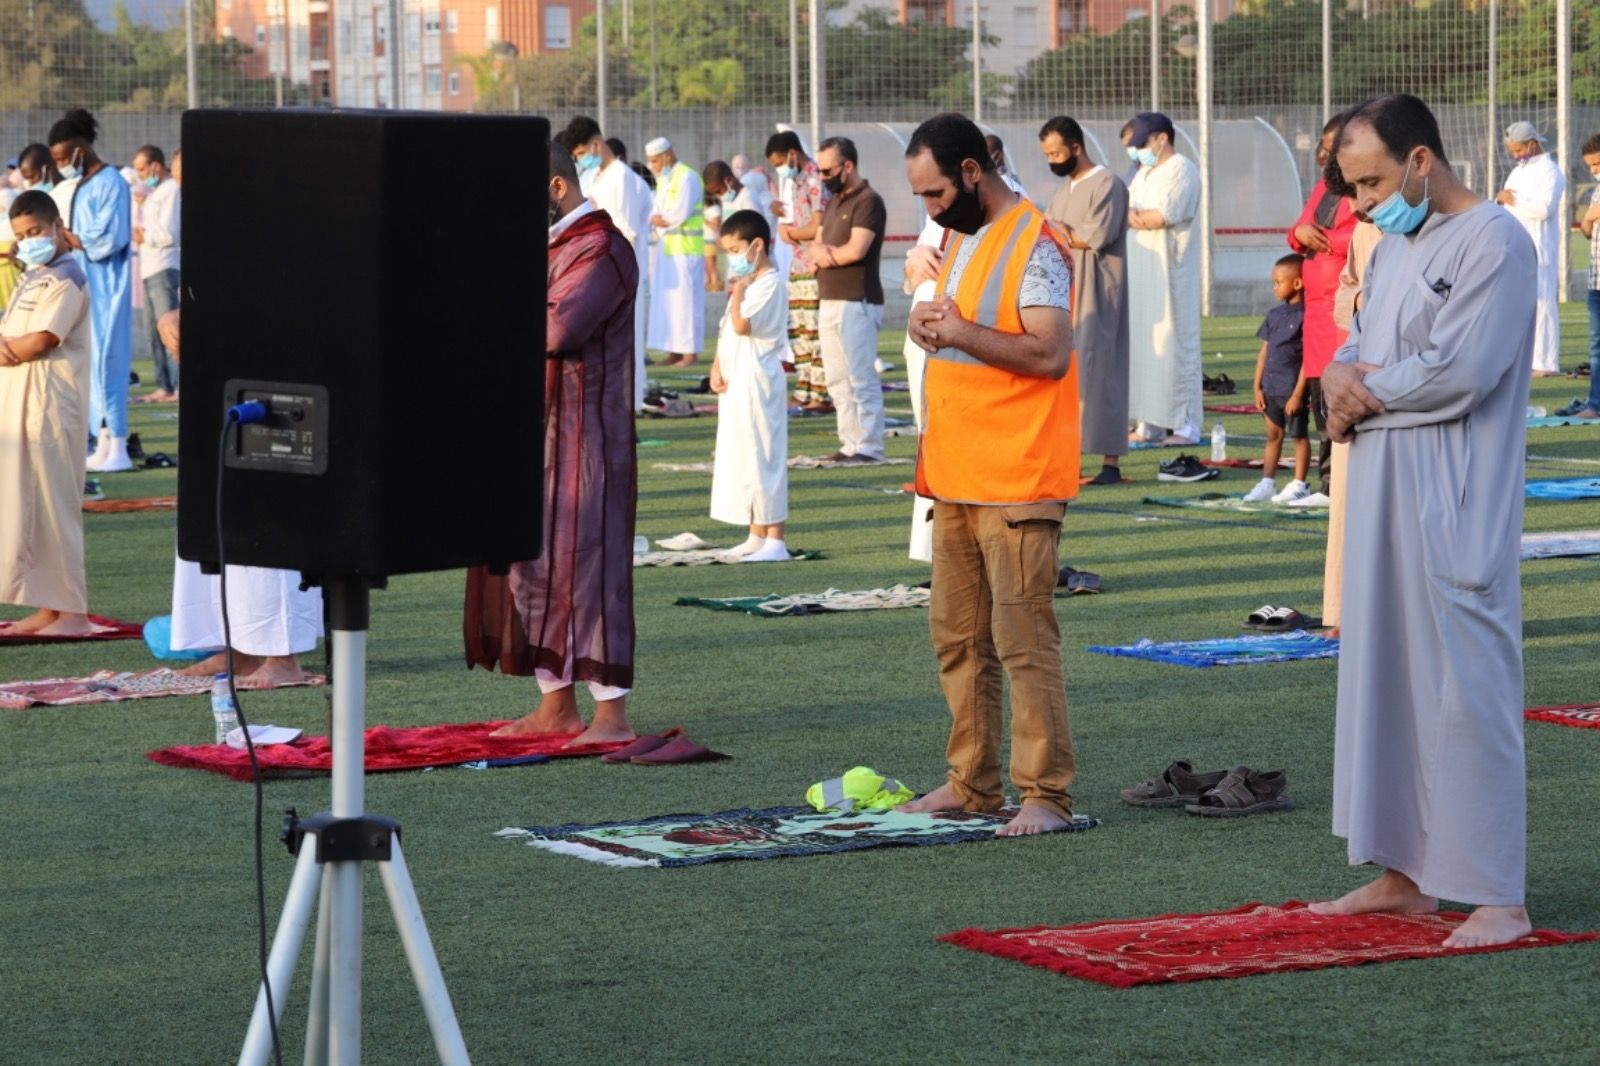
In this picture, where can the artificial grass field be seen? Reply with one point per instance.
(127, 909)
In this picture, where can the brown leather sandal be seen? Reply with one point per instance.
(1178, 786)
(1244, 792)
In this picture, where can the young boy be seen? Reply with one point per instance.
(1281, 385)
(44, 409)
(750, 480)
(1589, 222)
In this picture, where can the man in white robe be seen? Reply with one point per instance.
(1535, 192)
(614, 188)
(1163, 258)
(1430, 390)
(678, 267)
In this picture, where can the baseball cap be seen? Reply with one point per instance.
(1146, 123)
(1519, 132)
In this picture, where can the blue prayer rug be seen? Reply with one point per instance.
(1229, 651)
(1565, 488)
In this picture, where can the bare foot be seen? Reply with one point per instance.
(31, 624)
(1487, 926)
(610, 724)
(557, 713)
(1392, 893)
(276, 671)
(68, 625)
(942, 798)
(243, 665)
(1033, 819)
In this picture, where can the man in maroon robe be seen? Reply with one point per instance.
(567, 616)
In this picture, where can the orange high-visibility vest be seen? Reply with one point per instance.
(991, 436)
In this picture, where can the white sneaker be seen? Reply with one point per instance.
(1315, 499)
(114, 460)
(1295, 490)
(1263, 491)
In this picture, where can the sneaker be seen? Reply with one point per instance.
(92, 490)
(1572, 408)
(1186, 468)
(1312, 499)
(1262, 492)
(1296, 490)
(135, 447)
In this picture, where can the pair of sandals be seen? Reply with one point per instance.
(1078, 582)
(1279, 619)
(1235, 793)
(663, 749)
(1221, 385)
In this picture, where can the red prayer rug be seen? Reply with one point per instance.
(388, 749)
(1233, 408)
(149, 503)
(1577, 715)
(105, 629)
(1253, 939)
(110, 686)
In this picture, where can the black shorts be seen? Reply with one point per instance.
(1293, 426)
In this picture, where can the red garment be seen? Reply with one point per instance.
(1321, 277)
(575, 601)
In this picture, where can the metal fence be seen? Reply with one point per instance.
(1249, 82)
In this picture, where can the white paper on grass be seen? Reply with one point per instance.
(263, 735)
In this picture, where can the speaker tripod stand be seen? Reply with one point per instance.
(331, 849)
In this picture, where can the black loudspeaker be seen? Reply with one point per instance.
(377, 279)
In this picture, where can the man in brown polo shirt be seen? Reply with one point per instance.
(851, 300)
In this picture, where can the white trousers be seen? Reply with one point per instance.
(550, 682)
(847, 331)
(268, 613)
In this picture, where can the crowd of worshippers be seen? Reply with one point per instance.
(1409, 321)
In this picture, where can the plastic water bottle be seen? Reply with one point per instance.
(1219, 443)
(223, 710)
(1536, 412)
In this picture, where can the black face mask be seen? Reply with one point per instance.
(1061, 170)
(834, 185)
(965, 215)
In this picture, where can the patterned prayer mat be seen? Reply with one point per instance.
(108, 686)
(1577, 715)
(387, 749)
(708, 557)
(1564, 488)
(1552, 421)
(1216, 501)
(151, 503)
(832, 600)
(1561, 545)
(105, 629)
(1254, 939)
(1232, 408)
(1229, 651)
(774, 833)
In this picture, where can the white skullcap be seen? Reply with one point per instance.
(658, 146)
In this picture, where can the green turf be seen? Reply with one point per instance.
(127, 907)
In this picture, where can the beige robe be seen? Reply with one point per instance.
(1095, 207)
(44, 421)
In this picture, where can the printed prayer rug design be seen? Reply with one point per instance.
(1254, 939)
(109, 686)
(774, 833)
(708, 556)
(104, 629)
(1233, 408)
(1216, 501)
(124, 506)
(1564, 488)
(387, 748)
(1577, 715)
(891, 598)
(1229, 651)
(1561, 545)
(1552, 421)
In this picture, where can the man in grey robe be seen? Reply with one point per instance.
(1430, 392)
(1092, 205)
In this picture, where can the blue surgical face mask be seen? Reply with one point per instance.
(1133, 153)
(1395, 215)
(587, 162)
(1146, 157)
(36, 251)
(729, 196)
(784, 171)
(151, 182)
(742, 266)
(43, 186)
(71, 170)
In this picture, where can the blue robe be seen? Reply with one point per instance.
(102, 218)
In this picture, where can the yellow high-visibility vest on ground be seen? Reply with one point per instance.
(859, 788)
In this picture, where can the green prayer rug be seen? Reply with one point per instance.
(774, 833)
(1216, 501)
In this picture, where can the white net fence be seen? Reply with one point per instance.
(718, 76)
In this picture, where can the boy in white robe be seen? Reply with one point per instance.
(750, 480)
